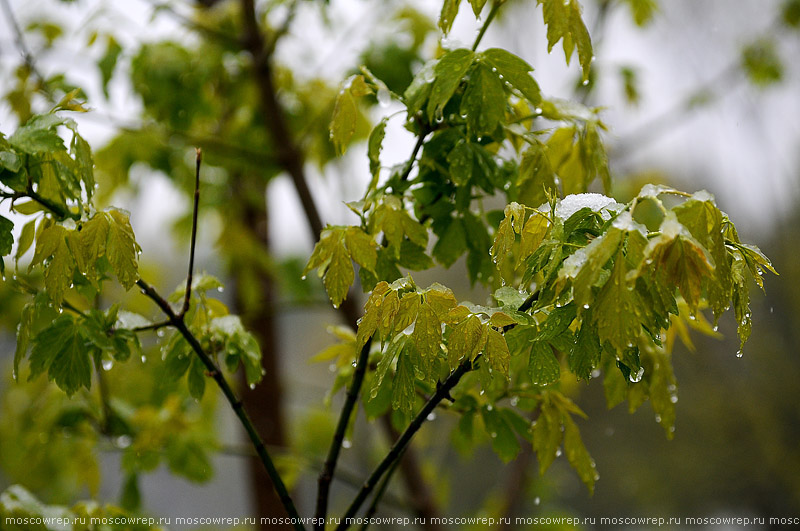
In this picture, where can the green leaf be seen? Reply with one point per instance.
(61, 350)
(108, 62)
(339, 275)
(532, 235)
(403, 384)
(323, 250)
(504, 440)
(374, 146)
(345, 113)
(504, 237)
(564, 22)
(515, 71)
(547, 435)
(448, 71)
(497, 353)
(197, 378)
(543, 367)
(577, 455)
(585, 354)
(6, 239)
(24, 329)
(642, 11)
(85, 164)
(451, 244)
(460, 160)
(413, 257)
(59, 271)
(466, 340)
(448, 15)
(585, 266)
(177, 359)
(617, 309)
(38, 135)
(536, 176)
(477, 6)
(679, 260)
(122, 249)
(25, 239)
(427, 333)
(10, 161)
(385, 363)
(484, 101)
(362, 247)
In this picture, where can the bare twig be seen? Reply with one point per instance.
(187, 297)
(27, 56)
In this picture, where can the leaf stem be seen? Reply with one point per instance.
(495, 7)
(442, 392)
(195, 210)
(179, 324)
(329, 467)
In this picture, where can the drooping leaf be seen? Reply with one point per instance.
(6, 239)
(374, 146)
(339, 275)
(466, 340)
(448, 15)
(515, 71)
(64, 354)
(448, 71)
(585, 354)
(497, 353)
(504, 441)
(547, 435)
(577, 455)
(564, 23)
(345, 112)
(484, 101)
(122, 249)
(362, 247)
(403, 385)
(543, 367)
(617, 309)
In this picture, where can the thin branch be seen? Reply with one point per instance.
(195, 210)
(329, 467)
(27, 56)
(152, 327)
(194, 25)
(376, 500)
(235, 403)
(442, 392)
(492, 13)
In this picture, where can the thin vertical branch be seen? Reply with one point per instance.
(329, 467)
(492, 13)
(187, 297)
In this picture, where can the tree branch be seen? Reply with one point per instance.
(442, 392)
(179, 324)
(329, 467)
(492, 13)
(187, 297)
(27, 56)
(376, 500)
(289, 154)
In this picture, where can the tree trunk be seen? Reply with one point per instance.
(265, 401)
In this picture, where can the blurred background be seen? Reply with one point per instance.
(698, 95)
